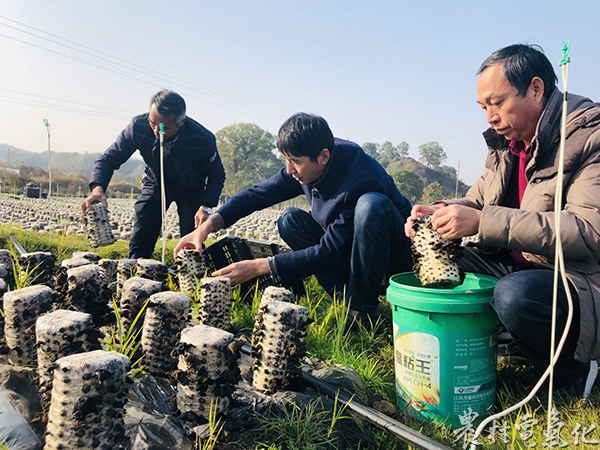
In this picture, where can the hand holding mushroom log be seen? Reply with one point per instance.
(451, 221)
(245, 270)
(456, 221)
(417, 212)
(194, 239)
(97, 196)
(435, 258)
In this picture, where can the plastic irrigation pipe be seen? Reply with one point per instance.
(18, 246)
(404, 432)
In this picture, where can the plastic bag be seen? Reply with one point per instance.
(15, 432)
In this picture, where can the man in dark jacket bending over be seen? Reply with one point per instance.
(193, 172)
(352, 239)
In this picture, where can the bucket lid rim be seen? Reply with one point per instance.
(454, 291)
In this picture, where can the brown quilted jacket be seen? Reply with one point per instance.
(532, 228)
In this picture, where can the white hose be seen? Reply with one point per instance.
(163, 199)
(559, 268)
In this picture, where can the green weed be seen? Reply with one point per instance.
(242, 312)
(126, 341)
(23, 276)
(214, 428)
(171, 283)
(371, 354)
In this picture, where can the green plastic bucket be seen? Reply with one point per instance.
(445, 348)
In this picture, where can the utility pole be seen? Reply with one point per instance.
(47, 125)
(457, 176)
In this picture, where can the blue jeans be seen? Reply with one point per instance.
(147, 224)
(523, 302)
(380, 249)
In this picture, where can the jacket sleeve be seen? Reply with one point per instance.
(113, 157)
(534, 232)
(278, 188)
(216, 177)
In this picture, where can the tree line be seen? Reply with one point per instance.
(249, 156)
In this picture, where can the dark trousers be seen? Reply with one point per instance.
(380, 249)
(523, 302)
(147, 224)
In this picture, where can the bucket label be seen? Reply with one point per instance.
(474, 371)
(440, 375)
(418, 366)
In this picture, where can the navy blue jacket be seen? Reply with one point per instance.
(198, 167)
(350, 173)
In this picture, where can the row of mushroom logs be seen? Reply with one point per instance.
(78, 380)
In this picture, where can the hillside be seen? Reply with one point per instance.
(66, 162)
(448, 182)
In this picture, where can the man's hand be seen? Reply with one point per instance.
(417, 212)
(245, 270)
(194, 239)
(456, 221)
(97, 196)
(200, 217)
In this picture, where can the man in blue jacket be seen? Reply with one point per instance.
(193, 172)
(352, 239)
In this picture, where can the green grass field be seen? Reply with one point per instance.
(573, 425)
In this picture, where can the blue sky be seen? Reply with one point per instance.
(376, 70)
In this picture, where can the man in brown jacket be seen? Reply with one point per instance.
(510, 209)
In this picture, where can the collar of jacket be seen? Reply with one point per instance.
(544, 146)
(337, 168)
(547, 140)
(178, 142)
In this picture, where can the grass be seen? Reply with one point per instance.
(310, 426)
(126, 341)
(214, 428)
(371, 354)
(63, 246)
(22, 276)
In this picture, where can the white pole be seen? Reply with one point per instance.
(47, 125)
(163, 199)
(457, 178)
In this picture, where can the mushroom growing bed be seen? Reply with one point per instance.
(83, 395)
(66, 383)
(62, 215)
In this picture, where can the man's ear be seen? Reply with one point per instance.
(537, 88)
(324, 156)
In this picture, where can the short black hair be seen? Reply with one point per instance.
(520, 64)
(169, 102)
(304, 135)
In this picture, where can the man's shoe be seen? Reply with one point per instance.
(511, 359)
(509, 353)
